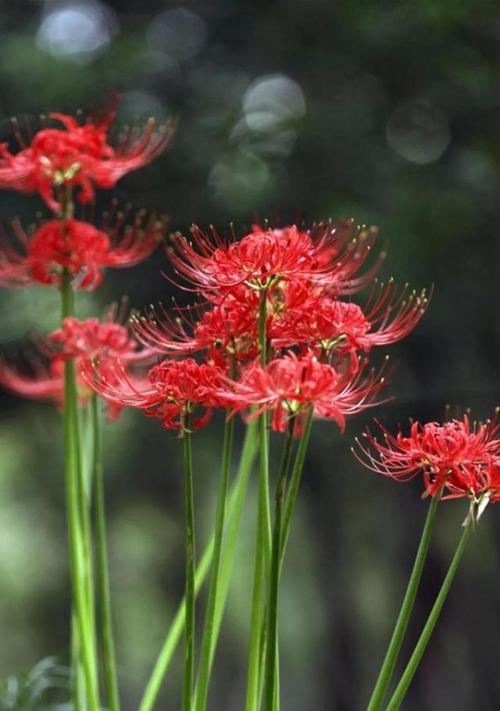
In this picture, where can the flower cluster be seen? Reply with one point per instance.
(456, 459)
(271, 327)
(68, 253)
(274, 330)
(274, 334)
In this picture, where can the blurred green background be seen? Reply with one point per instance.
(387, 112)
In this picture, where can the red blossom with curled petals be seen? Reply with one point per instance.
(228, 329)
(322, 324)
(290, 385)
(173, 389)
(452, 454)
(81, 341)
(78, 247)
(91, 338)
(328, 255)
(325, 324)
(79, 155)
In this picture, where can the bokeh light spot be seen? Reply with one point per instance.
(271, 101)
(179, 33)
(418, 131)
(76, 30)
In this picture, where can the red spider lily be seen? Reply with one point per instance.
(87, 340)
(80, 156)
(327, 256)
(78, 247)
(174, 389)
(447, 455)
(288, 386)
(229, 328)
(92, 338)
(322, 323)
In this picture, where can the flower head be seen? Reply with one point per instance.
(79, 155)
(327, 325)
(327, 255)
(91, 338)
(173, 390)
(289, 386)
(227, 329)
(451, 455)
(98, 343)
(78, 248)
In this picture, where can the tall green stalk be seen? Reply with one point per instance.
(78, 677)
(78, 557)
(263, 540)
(391, 656)
(187, 694)
(424, 638)
(271, 700)
(295, 478)
(234, 506)
(103, 591)
(84, 486)
(213, 589)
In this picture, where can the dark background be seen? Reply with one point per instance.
(387, 112)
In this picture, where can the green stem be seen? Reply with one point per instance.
(271, 662)
(78, 679)
(423, 640)
(75, 526)
(263, 540)
(84, 487)
(175, 630)
(295, 478)
(213, 589)
(234, 506)
(263, 328)
(234, 519)
(391, 656)
(190, 567)
(104, 597)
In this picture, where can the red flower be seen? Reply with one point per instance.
(79, 156)
(325, 324)
(228, 328)
(82, 341)
(326, 256)
(78, 247)
(288, 386)
(92, 338)
(174, 389)
(453, 454)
